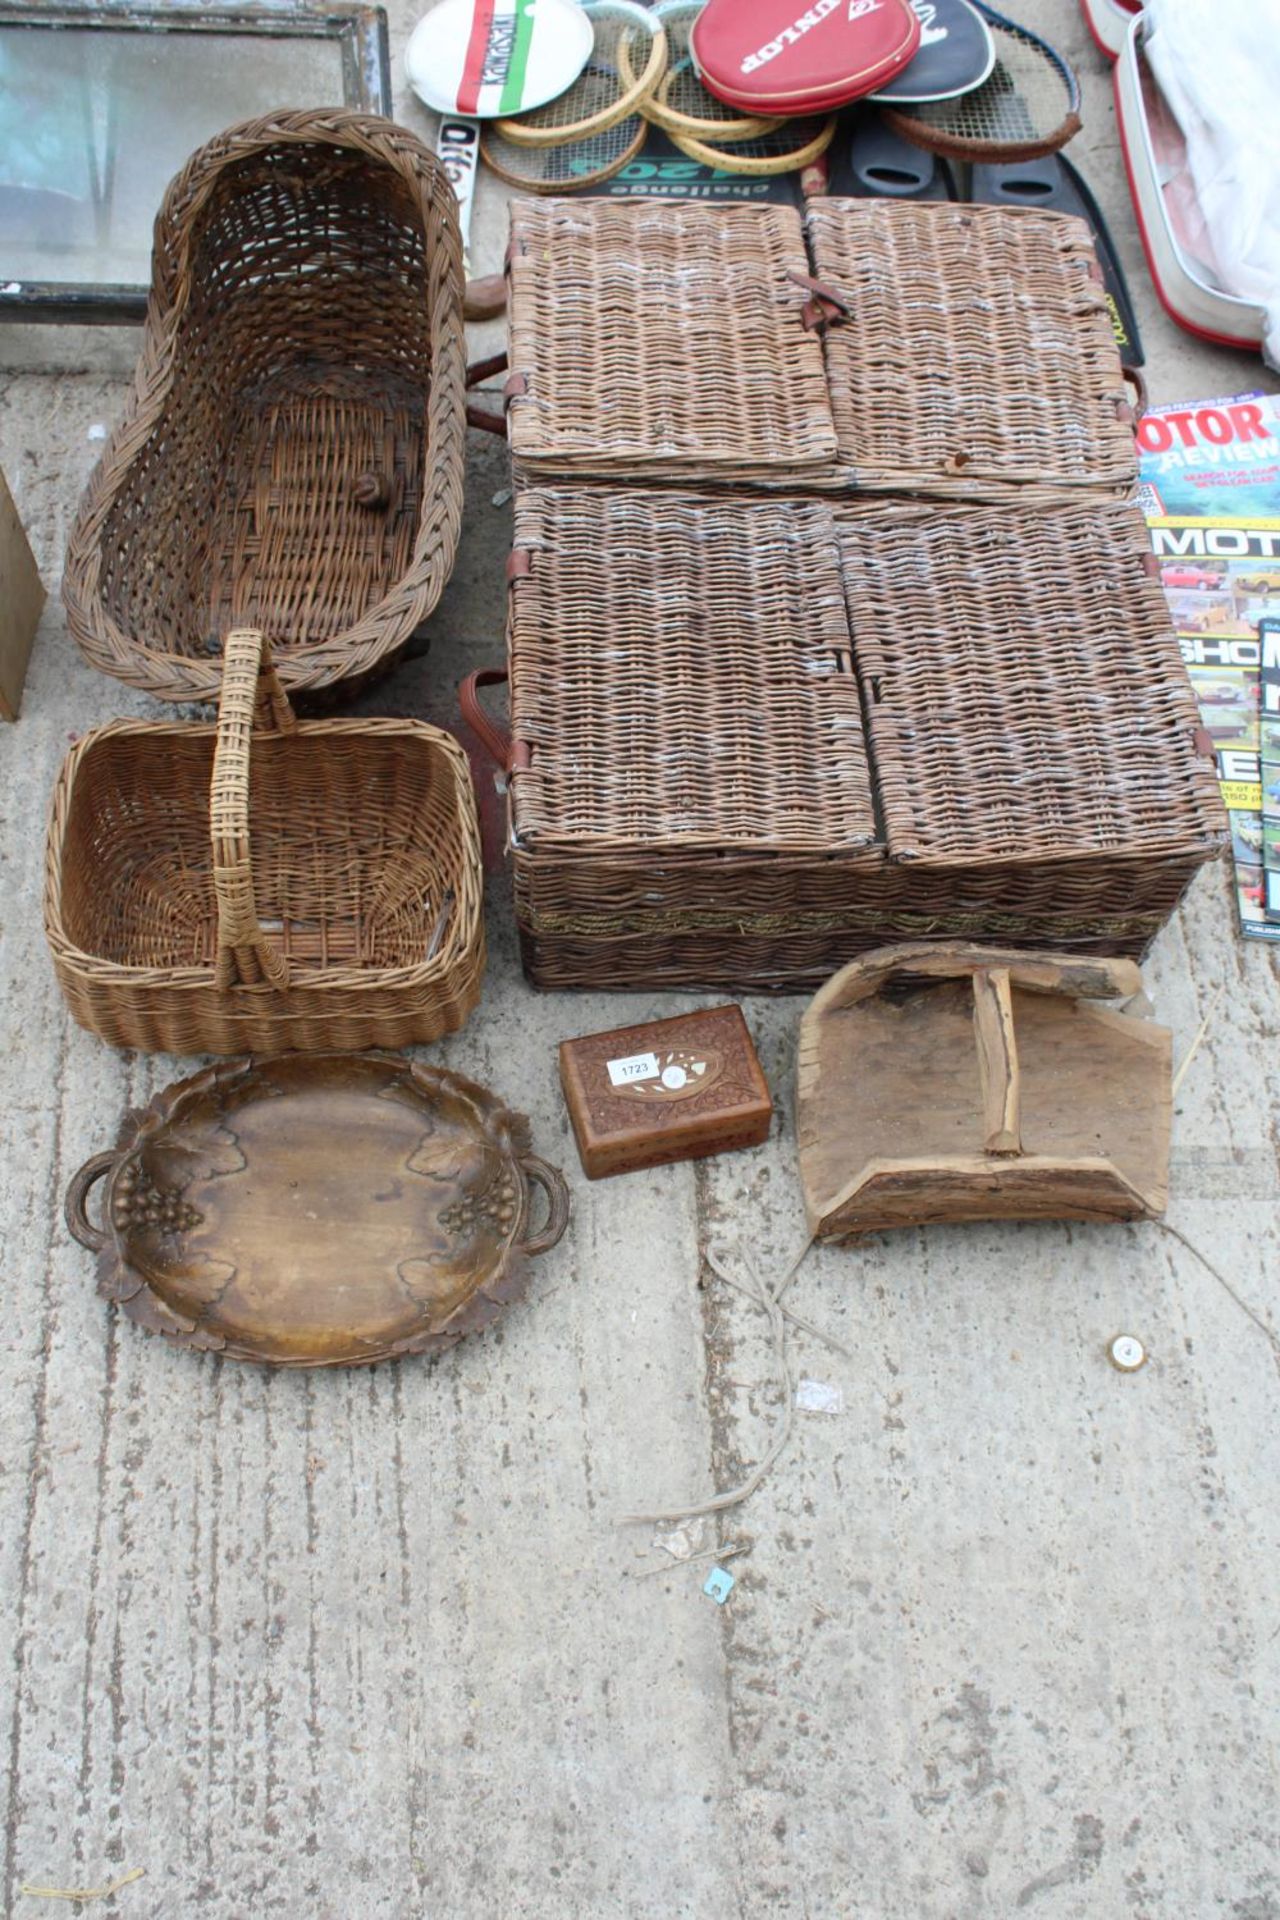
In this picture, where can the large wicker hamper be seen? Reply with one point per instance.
(263, 885)
(753, 739)
(291, 458)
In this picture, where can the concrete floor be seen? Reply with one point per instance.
(361, 1645)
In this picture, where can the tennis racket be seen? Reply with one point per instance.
(567, 168)
(1029, 106)
(627, 60)
(680, 103)
(795, 144)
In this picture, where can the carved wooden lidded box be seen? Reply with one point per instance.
(676, 1089)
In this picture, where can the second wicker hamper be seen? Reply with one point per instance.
(753, 739)
(957, 352)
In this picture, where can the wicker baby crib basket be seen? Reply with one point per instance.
(261, 884)
(292, 455)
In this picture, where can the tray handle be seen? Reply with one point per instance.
(79, 1225)
(541, 1174)
(495, 740)
(251, 693)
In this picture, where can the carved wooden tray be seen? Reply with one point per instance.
(317, 1210)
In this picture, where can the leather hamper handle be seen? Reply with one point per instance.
(495, 740)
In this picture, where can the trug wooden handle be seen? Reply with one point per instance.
(997, 1061)
(1079, 976)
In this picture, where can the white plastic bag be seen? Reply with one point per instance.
(1219, 69)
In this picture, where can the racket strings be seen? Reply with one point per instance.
(627, 61)
(681, 103)
(792, 145)
(571, 165)
(1025, 96)
(1028, 105)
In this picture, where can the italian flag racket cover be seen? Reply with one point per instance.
(489, 59)
(780, 56)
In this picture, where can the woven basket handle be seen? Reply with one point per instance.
(250, 692)
(492, 737)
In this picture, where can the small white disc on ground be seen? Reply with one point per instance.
(1127, 1353)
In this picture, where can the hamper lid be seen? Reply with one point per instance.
(667, 335)
(978, 346)
(681, 678)
(1026, 700)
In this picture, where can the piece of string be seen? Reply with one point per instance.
(1194, 1048)
(732, 1552)
(786, 1280)
(84, 1893)
(767, 1297)
(789, 1313)
(1167, 1226)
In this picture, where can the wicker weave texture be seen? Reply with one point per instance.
(769, 962)
(681, 676)
(665, 336)
(686, 895)
(1032, 755)
(974, 357)
(292, 454)
(786, 925)
(1025, 696)
(231, 888)
(978, 354)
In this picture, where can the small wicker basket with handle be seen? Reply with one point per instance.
(326, 897)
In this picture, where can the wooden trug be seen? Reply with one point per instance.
(946, 1083)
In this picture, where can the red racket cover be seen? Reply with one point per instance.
(781, 56)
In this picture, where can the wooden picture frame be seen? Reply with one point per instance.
(360, 34)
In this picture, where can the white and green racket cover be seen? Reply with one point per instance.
(489, 59)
